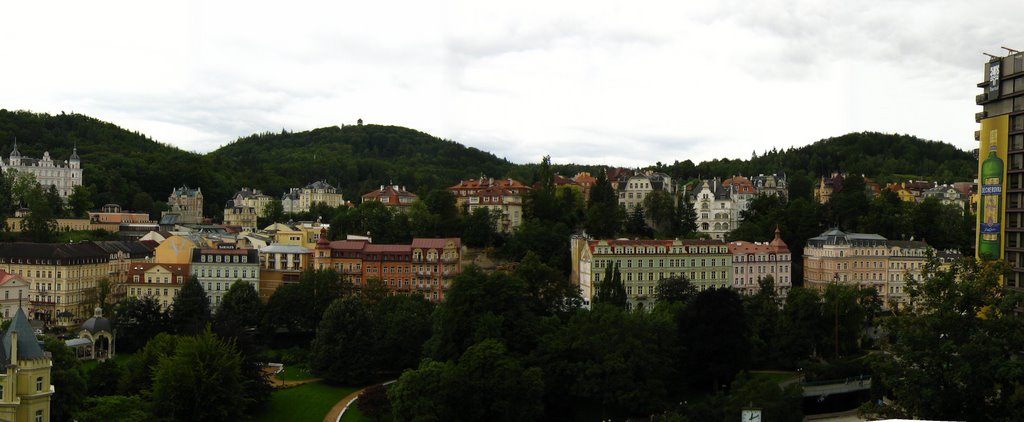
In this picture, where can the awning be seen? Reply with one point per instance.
(76, 342)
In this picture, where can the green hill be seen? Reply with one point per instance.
(119, 163)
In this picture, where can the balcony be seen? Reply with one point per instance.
(981, 99)
(352, 271)
(980, 115)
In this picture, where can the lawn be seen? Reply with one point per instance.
(88, 365)
(307, 402)
(294, 373)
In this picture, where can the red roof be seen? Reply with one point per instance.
(6, 277)
(176, 270)
(392, 195)
(435, 243)
(371, 248)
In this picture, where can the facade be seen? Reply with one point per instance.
(586, 182)
(741, 191)
(1002, 126)
(772, 185)
(866, 260)
(642, 263)
(14, 293)
(184, 206)
(241, 215)
(25, 387)
(218, 269)
(47, 172)
(715, 209)
(253, 198)
(424, 267)
(502, 197)
(299, 200)
(633, 189)
(752, 261)
(281, 264)
(62, 277)
(394, 197)
(161, 281)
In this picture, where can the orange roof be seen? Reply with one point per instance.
(486, 183)
(6, 277)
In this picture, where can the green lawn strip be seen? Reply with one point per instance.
(354, 415)
(294, 373)
(775, 376)
(307, 402)
(88, 365)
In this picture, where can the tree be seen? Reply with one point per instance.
(401, 326)
(486, 384)
(274, 212)
(240, 309)
(112, 408)
(479, 228)
(190, 311)
(610, 289)
(103, 287)
(552, 293)
(139, 369)
(762, 311)
(802, 326)
(713, 359)
(104, 378)
(80, 200)
(137, 321)
(298, 307)
(953, 352)
(686, 218)
(202, 381)
(67, 379)
(142, 202)
(661, 211)
(603, 215)
(373, 402)
(636, 225)
(344, 338)
(41, 222)
(675, 289)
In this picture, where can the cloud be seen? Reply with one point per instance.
(588, 82)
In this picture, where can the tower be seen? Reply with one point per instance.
(1000, 226)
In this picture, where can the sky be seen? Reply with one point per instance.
(590, 82)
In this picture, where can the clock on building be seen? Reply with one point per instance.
(750, 415)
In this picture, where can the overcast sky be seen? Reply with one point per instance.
(623, 83)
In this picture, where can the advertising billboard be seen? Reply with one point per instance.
(992, 180)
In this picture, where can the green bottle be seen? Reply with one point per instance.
(991, 209)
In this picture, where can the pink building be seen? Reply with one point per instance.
(752, 261)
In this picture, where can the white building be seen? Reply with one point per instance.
(716, 212)
(299, 200)
(218, 269)
(634, 189)
(47, 172)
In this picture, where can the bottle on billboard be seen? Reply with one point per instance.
(991, 206)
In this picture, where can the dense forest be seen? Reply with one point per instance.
(138, 172)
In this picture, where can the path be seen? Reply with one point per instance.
(279, 383)
(341, 406)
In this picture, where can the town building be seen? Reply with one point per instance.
(866, 260)
(47, 172)
(161, 281)
(586, 182)
(1002, 128)
(14, 294)
(425, 267)
(253, 198)
(281, 264)
(634, 188)
(302, 233)
(716, 211)
(394, 197)
(184, 206)
(771, 185)
(948, 195)
(642, 263)
(217, 269)
(503, 197)
(741, 191)
(299, 200)
(25, 387)
(239, 214)
(63, 277)
(753, 261)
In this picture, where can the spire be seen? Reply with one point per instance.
(14, 151)
(74, 152)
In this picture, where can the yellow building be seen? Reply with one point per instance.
(185, 207)
(301, 199)
(303, 233)
(25, 388)
(239, 214)
(177, 249)
(159, 281)
(866, 260)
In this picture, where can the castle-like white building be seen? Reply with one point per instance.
(64, 176)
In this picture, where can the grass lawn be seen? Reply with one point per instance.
(294, 373)
(307, 402)
(88, 365)
(354, 415)
(773, 375)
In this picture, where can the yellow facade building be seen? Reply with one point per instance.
(25, 386)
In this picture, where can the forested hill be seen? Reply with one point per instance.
(883, 157)
(117, 164)
(355, 159)
(132, 169)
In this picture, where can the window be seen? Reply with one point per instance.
(39, 384)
